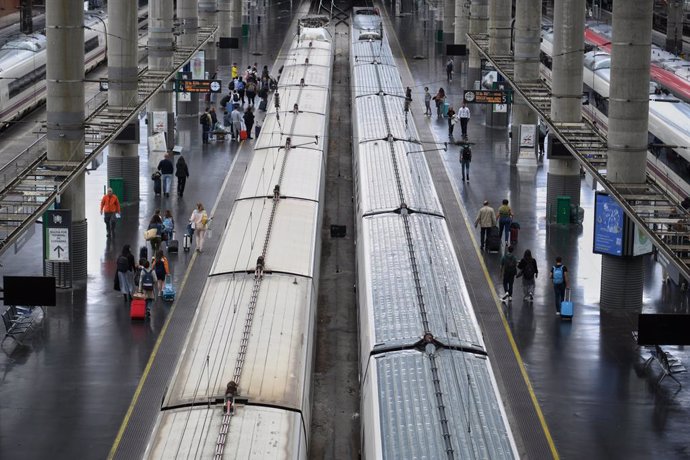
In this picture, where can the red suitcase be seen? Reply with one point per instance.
(138, 309)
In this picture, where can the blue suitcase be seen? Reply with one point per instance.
(567, 306)
(444, 109)
(168, 289)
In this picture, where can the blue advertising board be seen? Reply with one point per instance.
(608, 225)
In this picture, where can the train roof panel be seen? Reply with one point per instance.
(302, 176)
(299, 127)
(278, 355)
(392, 301)
(365, 52)
(371, 124)
(308, 99)
(379, 189)
(369, 79)
(410, 424)
(255, 433)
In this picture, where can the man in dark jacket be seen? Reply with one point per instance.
(166, 168)
(206, 124)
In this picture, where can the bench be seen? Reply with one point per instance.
(668, 363)
(16, 325)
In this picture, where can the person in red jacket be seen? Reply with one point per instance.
(110, 209)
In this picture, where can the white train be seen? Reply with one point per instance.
(23, 67)
(669, 118)
(427, 386)
(243, 383)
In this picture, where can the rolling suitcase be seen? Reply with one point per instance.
(567, 307)
(514, 232)
(144, 253)
(137, 309)
(187, 242)
(257, 131)
(493, 240)
(444, 109)
(263, 104)
(168, 289)
(173, 246)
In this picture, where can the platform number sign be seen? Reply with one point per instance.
(487, 97)
(56, 235)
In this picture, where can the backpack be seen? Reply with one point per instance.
(122, 264)
(557, 275)
(147, 281)
(235, 97)
(239, 86)
(511, 265)
(168, 224)
(466, 154)
(225, 100)
(204, 219)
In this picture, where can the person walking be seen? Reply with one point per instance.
(147, 285)
(240, 87)
(236, 119)
(234, 71)
(464, 115)
(162, 268)
(451, 122)
(505, 218)
(199, 220)
(559, 277)
(249, 121)
(156, 223)
(528, 272)
(182, 173)
(440, 99)
(251, 92)
(110, 210)
(125, 272)
(167, 169)
(427, 102)
(465, 160)
(486, 219)
(449, 69)
(508, 271)
(168, 225)
(206, 123)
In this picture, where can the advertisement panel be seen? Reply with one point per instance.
(608, 225)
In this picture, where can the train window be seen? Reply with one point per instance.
(545, 60)
(91, 44)
(21, 84)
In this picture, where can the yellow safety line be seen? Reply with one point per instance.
(509, 333)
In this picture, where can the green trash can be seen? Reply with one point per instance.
(563, 210)
(245, 30)
(118, 186)
(439, 35)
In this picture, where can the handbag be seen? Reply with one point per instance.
(156, 175)
(150, 234)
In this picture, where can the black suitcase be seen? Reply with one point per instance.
(257, 131)
(173, 246)
(157, 186)
(263, 105)
(493, 240)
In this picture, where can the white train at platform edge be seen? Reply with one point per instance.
(427, 385)
(669, 118)
(243, 385)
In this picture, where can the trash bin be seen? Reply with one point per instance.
(118, 186)
(563, 210)
(245, 30)
(439, 35)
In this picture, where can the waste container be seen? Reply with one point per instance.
(118, 186)
(439, 35)
(245, 30)
(563, 210)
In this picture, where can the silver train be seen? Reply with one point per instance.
(427, 386)
(242, 387)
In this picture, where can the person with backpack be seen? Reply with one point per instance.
(239, 86)
(161, 268)
(155, 224)
(449, 69)
(206, 123)
(251, 92)
(147, 285)
(508, 271)
(528, 272)
(182, 173)
(465, 160)
(199, 220)
(125, 271)
(505, 218)
(168, 225)
(559, 277)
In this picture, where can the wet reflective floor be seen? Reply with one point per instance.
(588, 375)
(65, 393)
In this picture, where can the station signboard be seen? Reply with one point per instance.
(56, 235)
(487, 97)
(198, 86)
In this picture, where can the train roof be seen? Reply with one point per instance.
(410, 422)
(25, 47)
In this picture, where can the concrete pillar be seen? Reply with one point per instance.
(207, 18)
(479, 11)
(462, 22)
(526, 55)
(674, 26)
(236, 20)
(448, 18)
(563, 177)
(161, 44)
(123, 159)
(627, 136)
(188, 17)
(65, 119)
(224, 30)
(499, 27)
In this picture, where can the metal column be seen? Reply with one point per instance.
(161, 43)
(65, 122)
(123, 156)
(479, 10)
(563, 177)
(526, 53)
(627, 138)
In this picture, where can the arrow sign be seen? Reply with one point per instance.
(58, 249)
(58, 244)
